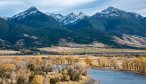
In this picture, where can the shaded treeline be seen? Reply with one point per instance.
(134, 64)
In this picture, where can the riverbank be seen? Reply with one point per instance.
(86, 80)
(116, 70)
(92, 81)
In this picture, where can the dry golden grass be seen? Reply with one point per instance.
(8, 52)
(70, 50)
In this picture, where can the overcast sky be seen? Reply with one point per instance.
(11, 7)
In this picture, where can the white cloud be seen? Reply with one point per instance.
(141, 11)
(5, 3)
(11, 7)
(48, 3)
(45, 5)
(64, 3)
(138, 6)
(129, 5)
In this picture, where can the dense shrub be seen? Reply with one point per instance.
(53, 80)
(20, 80)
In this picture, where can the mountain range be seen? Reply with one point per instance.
(113, 27)
(68, 19)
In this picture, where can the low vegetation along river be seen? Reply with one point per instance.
(116, 77)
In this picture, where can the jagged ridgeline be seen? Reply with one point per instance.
(112, 26)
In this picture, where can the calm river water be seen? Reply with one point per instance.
(115, 77)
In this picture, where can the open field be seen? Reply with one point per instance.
(87, 50)
(93, 51)
(8, 52)
(78, 51)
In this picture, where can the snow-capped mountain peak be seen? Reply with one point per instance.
(29, 11)
(111, 10)
(71, 14)
(68, 19)
(73, 17)
(82, 15)
(32, 9)
(76, 14)
(115, 12)
(5, 18)
(57, 17)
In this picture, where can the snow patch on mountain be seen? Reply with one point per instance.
(29, 36)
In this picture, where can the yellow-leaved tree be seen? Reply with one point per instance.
(8, 67)
(38, 79)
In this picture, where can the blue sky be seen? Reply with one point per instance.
(90, 7)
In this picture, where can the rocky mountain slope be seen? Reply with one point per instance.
(113, 27)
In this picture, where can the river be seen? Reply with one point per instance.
(116, 77)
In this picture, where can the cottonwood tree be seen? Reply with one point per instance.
(38, 79)
(6, 70)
